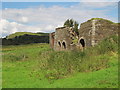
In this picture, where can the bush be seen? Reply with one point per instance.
(63, 63)
(108, 44)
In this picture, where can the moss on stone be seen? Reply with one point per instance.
(75, 41)
(100, 19)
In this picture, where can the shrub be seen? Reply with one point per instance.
(108, 44)
(63, 63)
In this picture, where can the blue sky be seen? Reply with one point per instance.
(21, 5)
(46, 16)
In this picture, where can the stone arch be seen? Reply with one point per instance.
(81, 41)
(64, 45)
(59, 43)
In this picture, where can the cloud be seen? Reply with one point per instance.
(46, 19)
(23, 19)
(12, 27)
(7, 27)
(98, 4)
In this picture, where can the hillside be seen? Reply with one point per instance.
(23, 33)
(96, 67)
(20, 38)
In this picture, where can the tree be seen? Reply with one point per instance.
(66, 24)
(75, 28)
(72, 23)
(69, 23)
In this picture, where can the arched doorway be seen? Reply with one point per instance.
(59, 44)
(82, 42)
(64, 45)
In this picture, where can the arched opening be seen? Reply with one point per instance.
(82, 42)
(59, 44)
(64, 45)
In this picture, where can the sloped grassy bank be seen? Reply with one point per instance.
(37, 66)
(60, 64)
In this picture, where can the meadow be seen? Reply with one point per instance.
(38, 66)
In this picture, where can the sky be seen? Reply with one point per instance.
(46, 16)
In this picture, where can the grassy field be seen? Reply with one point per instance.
(37, 66)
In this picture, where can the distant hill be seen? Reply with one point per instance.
(20, 38)
(28, 33)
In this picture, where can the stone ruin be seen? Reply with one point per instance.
(90, 34)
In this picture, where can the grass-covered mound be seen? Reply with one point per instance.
(37, 66)
(102, 19)
(20, 38)
(17, 34)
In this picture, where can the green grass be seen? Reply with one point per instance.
(102, 19)
(23, 33)
(38, 66)
(105, 78)
(19, 71)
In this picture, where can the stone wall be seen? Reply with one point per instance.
(95, 30)
(90, 34)
(85, 32)
(62, 39)
(51, 39)
(104, 29)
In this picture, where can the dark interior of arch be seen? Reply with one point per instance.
(82, 42)
(64, 45)
(59, 44)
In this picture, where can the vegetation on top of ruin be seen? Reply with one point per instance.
(72, 23)
(69, 23)
(99, 19)
(75, 40)
(28, 33)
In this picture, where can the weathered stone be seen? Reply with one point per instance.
(90, 34)
(96, 30)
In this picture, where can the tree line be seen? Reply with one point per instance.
(25, 39)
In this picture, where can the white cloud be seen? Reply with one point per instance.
(23, 19)
(42, 19)
(12, 27)
(98, 4)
